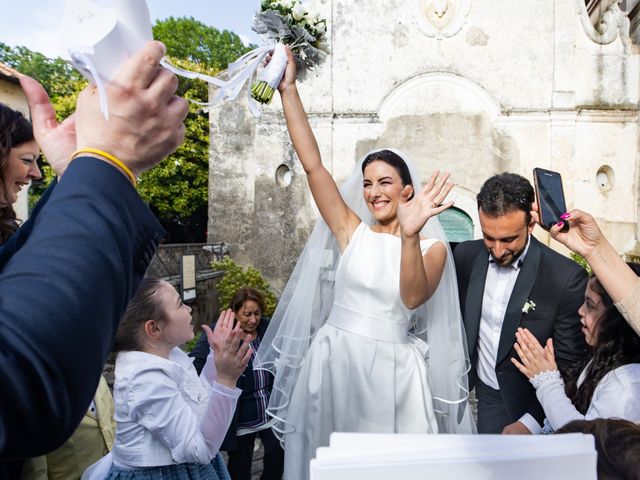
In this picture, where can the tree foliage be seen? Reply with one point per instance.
(192, 40)
(178, 186)
(580, 260)
(235, 278)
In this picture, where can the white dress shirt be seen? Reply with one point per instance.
(165, 413)
(497, 292)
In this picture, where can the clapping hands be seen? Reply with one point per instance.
(231, 358)
(413, 214)
(534, 359)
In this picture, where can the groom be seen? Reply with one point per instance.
(509, 280)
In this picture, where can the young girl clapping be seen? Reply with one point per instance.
(170, 422)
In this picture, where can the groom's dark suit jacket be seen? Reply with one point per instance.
(555, 284)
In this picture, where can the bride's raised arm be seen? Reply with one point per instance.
(420, 274)
(342, 221)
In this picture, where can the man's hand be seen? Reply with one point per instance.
(516, 428)
(56, 140)
(145, 118)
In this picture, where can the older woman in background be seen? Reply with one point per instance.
(250, 418)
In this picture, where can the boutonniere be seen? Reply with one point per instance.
(528, 306)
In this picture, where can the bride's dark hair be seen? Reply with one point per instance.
(616, 345)
(393, 159)
(14, 130)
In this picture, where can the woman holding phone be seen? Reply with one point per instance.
(585, 238)
(606, 383)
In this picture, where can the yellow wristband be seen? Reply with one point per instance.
(117, 162)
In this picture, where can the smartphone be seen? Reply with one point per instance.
(550, 197)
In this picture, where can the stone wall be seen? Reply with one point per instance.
(474, 87)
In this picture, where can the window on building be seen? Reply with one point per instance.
(457, 225)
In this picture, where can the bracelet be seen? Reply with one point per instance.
(117, 162)
(543, 377)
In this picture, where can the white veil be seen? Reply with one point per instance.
(307, 300)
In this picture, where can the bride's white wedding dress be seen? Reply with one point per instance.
(363, 372)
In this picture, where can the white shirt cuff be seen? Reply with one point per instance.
(227, 391)
(531, 423)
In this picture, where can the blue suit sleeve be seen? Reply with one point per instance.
(62, 294)
(20, 236)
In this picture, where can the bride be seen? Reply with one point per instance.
(348, 341)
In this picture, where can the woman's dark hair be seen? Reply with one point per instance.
(505, 193)
(244, 294)
(15, 130)
(393, 159)
(145, 305)
(616, 345)
(617, 444)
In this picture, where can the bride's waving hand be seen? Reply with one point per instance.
(335, 212)
(413, 213)
(420, 274)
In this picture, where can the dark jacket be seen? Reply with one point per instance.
(555, 284)
(246, 381)
(66, 277)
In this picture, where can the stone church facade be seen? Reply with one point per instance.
(474, 87)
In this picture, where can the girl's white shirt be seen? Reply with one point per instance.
(617, 395)
(165, 413)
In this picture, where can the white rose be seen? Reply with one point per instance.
(321, 28)
(313, 16)
(298, 11)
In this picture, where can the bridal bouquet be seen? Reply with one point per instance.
(288, 22)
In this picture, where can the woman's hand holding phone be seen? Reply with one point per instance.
(583, 236)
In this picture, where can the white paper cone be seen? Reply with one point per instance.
(134, 23)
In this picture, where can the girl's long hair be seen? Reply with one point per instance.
(617, 344)
(145, 305)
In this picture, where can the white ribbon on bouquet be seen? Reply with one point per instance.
(99, 39)
(244, 69)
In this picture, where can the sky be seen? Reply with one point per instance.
(36, 23)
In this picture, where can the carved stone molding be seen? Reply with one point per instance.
(612, 23)
(441, 18)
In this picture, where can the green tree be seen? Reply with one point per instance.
(235, 278)
(178, 186)
(56, 75)
(192, 40)
(579, 259)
